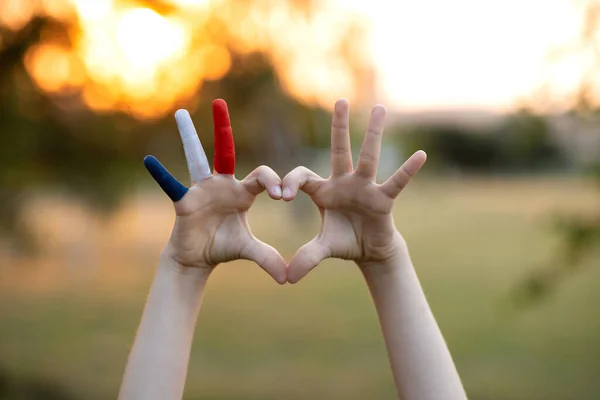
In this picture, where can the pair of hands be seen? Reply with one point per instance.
(211, 226)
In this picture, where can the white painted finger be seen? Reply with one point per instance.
(194, 153)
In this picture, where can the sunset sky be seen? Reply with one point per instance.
(466, 53)
(426, 54)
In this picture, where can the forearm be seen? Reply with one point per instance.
(158, 361)
(421, 362)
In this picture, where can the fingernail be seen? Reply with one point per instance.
(277, 191)
(287, 192)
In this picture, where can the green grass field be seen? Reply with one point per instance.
(471, 241)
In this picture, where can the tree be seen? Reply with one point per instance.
(580, 235)
(84, 94)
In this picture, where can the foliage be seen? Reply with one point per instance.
(53, 141)
(522, 142)
(12, 388)
(580, 235)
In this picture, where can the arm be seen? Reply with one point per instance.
(211, 228)
(158, 361)
(421, 363)
(357, 225)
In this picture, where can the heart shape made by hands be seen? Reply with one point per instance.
(212, 227)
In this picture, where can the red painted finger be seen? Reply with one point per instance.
(224, 146)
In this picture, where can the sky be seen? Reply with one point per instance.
(484, 54)
(487, 55)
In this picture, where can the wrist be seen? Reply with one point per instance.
(169, 264)
(395, 256)
(181, 261)
(179, 287)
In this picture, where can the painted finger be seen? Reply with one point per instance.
(368, 158)
(171, 186)
(194, 153)
(224, 145)
(305, 259)
(341, 154)
(299, 178)
(263, 178)
(394, 185)
(267, 258)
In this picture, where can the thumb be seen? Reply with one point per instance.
(267, 258)
(306, 258)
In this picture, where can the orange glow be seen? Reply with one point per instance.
(217, 62)
(53, 68)
(93, 10)
(146, 39)
(144, 63)
(189, 3)
(97, 100)
(412, 55)
(129, 54)
(14, 15)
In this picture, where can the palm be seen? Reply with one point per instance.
(357, 223)
(355, 216)
(211, 225)
(211, 222)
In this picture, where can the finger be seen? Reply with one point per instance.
(194, 153)
(267, 258)
(341, 155)
(305, 259)
(368, 158)
(299, 178)
(171, 186)
(224, 145)
(263, 178)
(394, 185)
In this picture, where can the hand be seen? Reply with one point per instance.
(356, 212)
(211, 223)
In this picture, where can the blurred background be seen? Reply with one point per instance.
(503, 222)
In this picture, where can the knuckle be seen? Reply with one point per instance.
(341, 126)
(404, 171)
(399, 181)
(336, 150)
(263, 169)
(368, 158)
(296, 173)
(374, 131)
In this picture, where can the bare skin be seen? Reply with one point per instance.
(211, 227)
(357, 225)
(357, 212)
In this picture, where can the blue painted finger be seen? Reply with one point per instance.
(171, 186)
